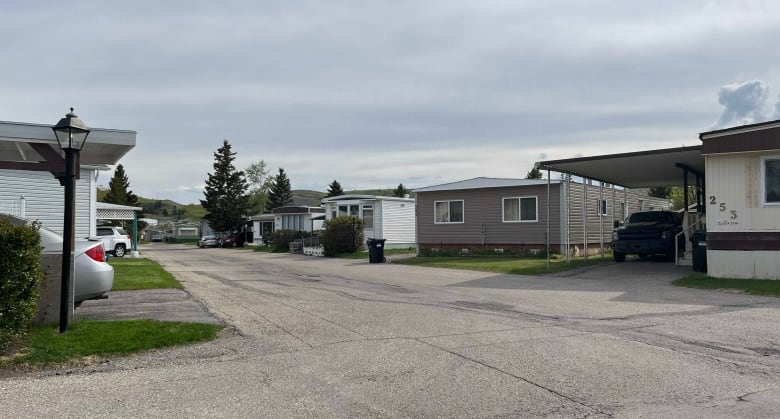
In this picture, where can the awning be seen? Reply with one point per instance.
(642, 169)
(106, 211)
(34, 147)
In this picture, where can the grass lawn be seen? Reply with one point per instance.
(748, 286)
(140, 274)
(504, 265)
(44, 345)
(90, 338)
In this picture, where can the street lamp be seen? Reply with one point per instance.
(71, 134)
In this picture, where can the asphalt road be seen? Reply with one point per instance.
(315, 337)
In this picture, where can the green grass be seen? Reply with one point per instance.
(140, 274)
(504, 265)
(88, 338)
(749, 286)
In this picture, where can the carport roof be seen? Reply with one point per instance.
(641, 169)
(23, 145)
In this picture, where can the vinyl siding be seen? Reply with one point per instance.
(44, 198)
(483, 223)
(597, 224)
(396, 221)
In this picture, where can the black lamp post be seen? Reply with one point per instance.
(71, 134)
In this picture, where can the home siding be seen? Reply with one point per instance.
(483, 224)
(396, 219)
(44, 198)
(599, 226)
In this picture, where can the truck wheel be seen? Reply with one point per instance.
(619, 257)
(670, 255)
(119, 250)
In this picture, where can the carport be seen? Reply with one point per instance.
(682, 166)
(114, 212)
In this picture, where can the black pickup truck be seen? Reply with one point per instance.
(646, 233)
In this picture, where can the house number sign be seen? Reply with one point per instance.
(731, 215)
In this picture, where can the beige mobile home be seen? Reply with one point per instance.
(743, 201)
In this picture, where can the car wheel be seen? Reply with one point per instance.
(619, 257)
(670, 255)
(119, 250)
(234, 244)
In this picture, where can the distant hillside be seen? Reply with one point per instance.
(165, 208)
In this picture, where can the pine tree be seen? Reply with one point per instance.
(334, 189)
(280, 193)
(400, 191)
(119, 193)
(119, 189)
(534, 173)
(227, 201)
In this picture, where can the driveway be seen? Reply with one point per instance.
(345, 338)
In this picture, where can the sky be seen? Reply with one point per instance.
(377, 93)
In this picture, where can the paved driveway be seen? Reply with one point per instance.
(344, 338)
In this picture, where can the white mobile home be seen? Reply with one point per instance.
(384, 217)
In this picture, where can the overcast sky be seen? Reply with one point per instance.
(377, 93)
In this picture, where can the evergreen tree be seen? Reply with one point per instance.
(400, 191)
(227, 201)
(119, 193)
(280, 192)
(534, 173)
(119, 189)
(334, 189)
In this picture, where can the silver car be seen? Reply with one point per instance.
(94, 277)
(208, 241)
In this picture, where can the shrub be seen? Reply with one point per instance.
(282, 238)
(20, 253)
(342, 235)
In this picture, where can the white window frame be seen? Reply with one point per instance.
(364, 218)
(449, 211)
(520, 209)
(764, 202)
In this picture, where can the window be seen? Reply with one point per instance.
(349, 210)
(448, 212)
(368, 216)
(623, 214)
(601, 205)
(520, 210)
(770, 180)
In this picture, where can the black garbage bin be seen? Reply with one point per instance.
(376, 250)
(699, 245)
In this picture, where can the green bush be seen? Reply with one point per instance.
(342, 235)
(20, 265)
(282, 239)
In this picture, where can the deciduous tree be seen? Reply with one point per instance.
(259, 183)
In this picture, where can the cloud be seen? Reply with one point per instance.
(744, 103)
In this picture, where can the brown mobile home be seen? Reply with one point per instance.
(511, 214)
